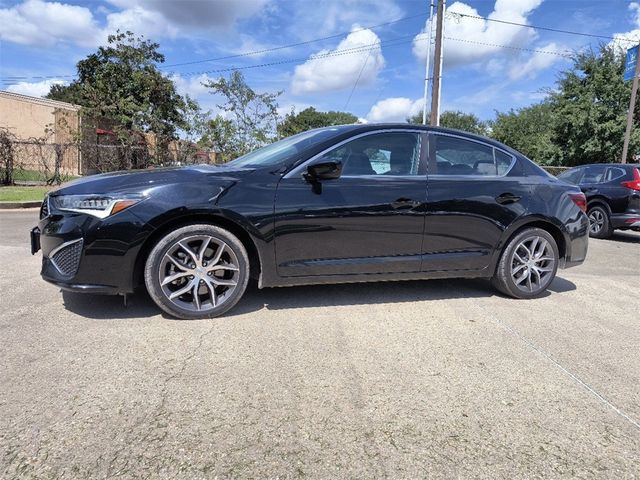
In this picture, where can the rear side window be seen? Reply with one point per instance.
(571, 176)
(613, 173)
(593, 174)
(503, 161)
(457, 156)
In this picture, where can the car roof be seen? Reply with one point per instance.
(367, 127)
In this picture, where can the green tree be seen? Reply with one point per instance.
(589, 107)
(121, 85)
(529, 130)
(250, 119)
(311, 118)
(467, 122)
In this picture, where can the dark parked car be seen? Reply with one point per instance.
(341, 204)
(613, 195)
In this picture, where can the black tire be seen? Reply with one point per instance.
(504, 281)
(599, 222)
(205, 295)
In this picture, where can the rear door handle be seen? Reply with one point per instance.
(404, 203)
(507, 198)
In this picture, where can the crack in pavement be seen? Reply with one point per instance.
(152, 418)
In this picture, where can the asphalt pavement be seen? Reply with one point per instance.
(423, 379)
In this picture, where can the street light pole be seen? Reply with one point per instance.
(632, 107)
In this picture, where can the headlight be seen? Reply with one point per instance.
(100, 206)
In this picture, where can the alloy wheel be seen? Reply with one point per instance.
(199, 273)
(532, 262)
(596, 221)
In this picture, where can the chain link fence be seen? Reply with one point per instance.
(40, 163)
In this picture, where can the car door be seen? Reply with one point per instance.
(475, 191)
(368, 220)
(597, 187)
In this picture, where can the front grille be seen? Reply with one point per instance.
(44, 209)
(66, 258)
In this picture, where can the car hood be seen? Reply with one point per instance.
(136, 180)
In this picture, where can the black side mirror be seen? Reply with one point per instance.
(324, 171)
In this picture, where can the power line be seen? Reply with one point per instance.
(537, 27)
(291, 45)
(548, 52)
(347, 51)
(357, 80)
(336, 53)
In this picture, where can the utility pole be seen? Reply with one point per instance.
(427, 69)
(632, 107)
(437, 67)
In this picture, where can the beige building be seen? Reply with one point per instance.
(38, 118)
(37, 124)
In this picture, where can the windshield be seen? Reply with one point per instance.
(283, 149)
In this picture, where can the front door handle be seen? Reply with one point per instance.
(507, 198)
(404, 203)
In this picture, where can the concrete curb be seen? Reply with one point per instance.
(12, 205)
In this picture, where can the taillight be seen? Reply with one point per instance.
(635, 183)
(580, 200)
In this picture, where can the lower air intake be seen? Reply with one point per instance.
(66, 258)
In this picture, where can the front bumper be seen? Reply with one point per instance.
(82, 253)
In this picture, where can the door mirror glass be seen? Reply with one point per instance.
(324, 170)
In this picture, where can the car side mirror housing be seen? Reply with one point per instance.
(324, 171)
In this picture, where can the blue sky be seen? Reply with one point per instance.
(488, 65)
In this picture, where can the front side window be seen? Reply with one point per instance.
(392, 153)
(457, 156)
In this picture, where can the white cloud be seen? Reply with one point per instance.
(488, 36)
(341, 71)
(41, 23)
(396, 109)
(35, 22)
(35, 89)
(200, 14)
(139, 20)
(537, 62)
(192, 86)
(621, 39)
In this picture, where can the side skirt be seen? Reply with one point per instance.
(373, 277)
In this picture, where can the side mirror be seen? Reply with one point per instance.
(324, 171)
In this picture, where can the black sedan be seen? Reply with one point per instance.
(613, 195)
(341, 204)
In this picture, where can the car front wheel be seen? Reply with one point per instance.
(197, 271)
(528, 264)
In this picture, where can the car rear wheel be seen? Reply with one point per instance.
(197, 271)
(599, 222)
(528, 264)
